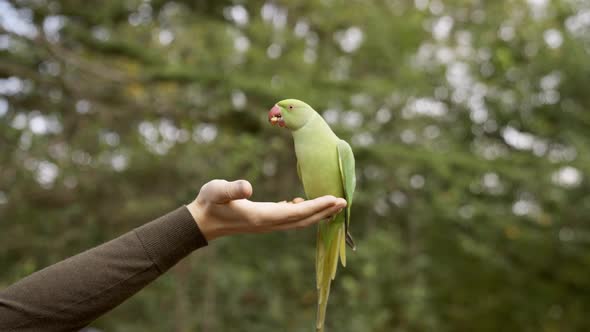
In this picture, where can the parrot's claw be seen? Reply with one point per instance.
(350, 241)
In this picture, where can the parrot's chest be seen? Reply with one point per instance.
(319, 169)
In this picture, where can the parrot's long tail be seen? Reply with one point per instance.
(327, 254)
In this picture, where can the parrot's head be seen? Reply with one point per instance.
(290, 113)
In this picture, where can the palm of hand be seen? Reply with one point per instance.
(222, 208)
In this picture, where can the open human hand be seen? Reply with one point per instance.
(222, 208)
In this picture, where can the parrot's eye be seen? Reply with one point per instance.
(290, 107)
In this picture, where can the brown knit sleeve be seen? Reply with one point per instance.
(70, 294)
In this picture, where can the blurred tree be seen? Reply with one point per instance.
(469, 120)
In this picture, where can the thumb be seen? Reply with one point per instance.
(221, 191)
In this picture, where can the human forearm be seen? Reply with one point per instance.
(72, 293)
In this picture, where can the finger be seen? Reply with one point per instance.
(298, 200)
(273, 213)
(311, 220)
(294, 200)
(222, 191)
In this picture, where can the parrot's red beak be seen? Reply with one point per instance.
(275, 116)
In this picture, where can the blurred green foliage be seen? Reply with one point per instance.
(469, 120)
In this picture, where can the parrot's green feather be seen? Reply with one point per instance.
(329, 229)
(327, 264)
(346, 163)
(347, 173)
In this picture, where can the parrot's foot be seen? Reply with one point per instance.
(350, 241)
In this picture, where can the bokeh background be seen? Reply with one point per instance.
(468, 118)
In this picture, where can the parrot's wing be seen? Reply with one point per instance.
(299, 172)
(346, 163)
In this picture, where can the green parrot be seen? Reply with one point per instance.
(325, 165)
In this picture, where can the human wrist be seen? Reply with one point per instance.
(208, 230)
